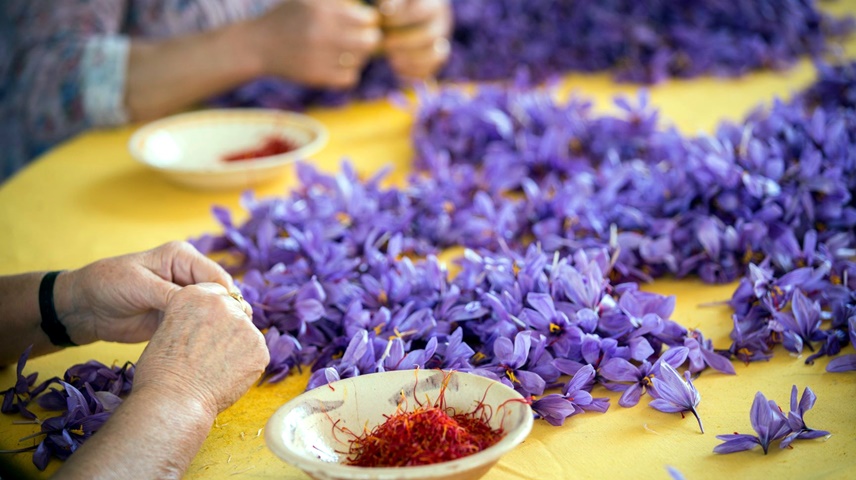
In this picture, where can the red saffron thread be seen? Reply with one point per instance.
(271, 146)
(432, 433)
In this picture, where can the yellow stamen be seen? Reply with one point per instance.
(510, 373)
(554, 328)
(343, 218)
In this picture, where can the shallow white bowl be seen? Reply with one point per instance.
(189, 148)
(301, 432)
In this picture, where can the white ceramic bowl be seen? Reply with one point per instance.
(190, 148)
(301, 432)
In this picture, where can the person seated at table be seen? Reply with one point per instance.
(72, 65)
(203, 353)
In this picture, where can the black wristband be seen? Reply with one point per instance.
(50, 323)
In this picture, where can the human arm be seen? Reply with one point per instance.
(77, 67)
(118, 299)
(321, 43)
(203, 357)
(416, 36)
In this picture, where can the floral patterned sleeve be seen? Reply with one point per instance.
(64, 63)
(68, 68)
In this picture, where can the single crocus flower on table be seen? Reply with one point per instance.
(674, 395)
(796, 420)
(769, 423)
(574, 399)
(618, 372)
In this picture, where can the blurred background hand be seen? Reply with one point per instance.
(416, 36)
(321, 43)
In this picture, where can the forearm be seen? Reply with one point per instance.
(19, 302)
(172, 74)
(151, 435)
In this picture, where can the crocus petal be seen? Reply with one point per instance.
(619, 370)
(666, 406)
(843, 363)
(554, 408)
(718, 362)
(736, 443)
(631, 396)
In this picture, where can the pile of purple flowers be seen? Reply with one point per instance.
(770, 423)
(639, 40)
(561, 212)
(91, 391)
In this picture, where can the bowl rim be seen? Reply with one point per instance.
(318, 130)
(486, 457)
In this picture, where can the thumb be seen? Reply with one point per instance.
(156, 292)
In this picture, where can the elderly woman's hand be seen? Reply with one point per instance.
(206, 348)
(121, 299)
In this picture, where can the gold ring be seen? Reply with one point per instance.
(347, 60)
(442, 46)
(237, 296)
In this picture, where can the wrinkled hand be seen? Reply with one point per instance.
(320, 43)
(416, 35)
(120, 299)
(206, 347)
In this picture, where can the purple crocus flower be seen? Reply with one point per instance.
(509, 365)
(618, 371)
(456, 353)
(701, 354)
(674, 395)
(574, 399)
(796, 418)
(769, 423)
(284, 350)
(802, 324)
(358, 358)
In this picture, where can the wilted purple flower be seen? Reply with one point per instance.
(845, 363)
(65, 433)
(796, 420)
(16, 399)
(769, 423)
(674, 394)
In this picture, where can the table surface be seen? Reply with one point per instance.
(88, 199)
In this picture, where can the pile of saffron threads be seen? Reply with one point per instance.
(425, 436)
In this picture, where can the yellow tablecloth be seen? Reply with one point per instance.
(88, 199)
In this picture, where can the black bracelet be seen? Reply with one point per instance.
(50, 323)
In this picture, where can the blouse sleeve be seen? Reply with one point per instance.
(68, 67)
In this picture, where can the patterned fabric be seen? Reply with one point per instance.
(63, 62)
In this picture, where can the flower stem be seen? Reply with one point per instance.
(700, 426)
